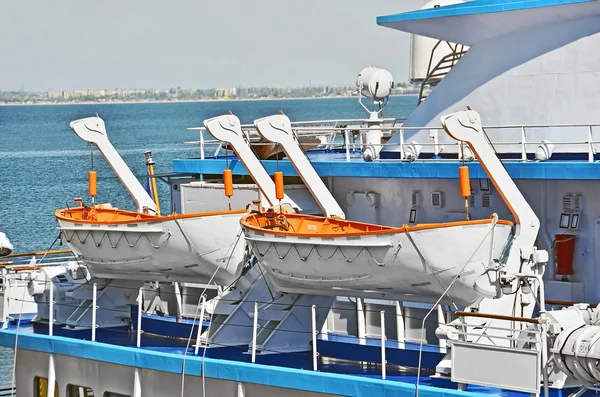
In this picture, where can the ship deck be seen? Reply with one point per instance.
(344, 375)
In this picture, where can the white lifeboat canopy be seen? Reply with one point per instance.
(374, 83)
(6, 248)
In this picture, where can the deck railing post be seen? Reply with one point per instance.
(51, 309)
(5, 295)
(201, 144)
(347, 144)
(140, 300)
(400, 325)
(441, 321)
(314, 336)
(254, 330)
(360, 321)
(383, 361)
(401, 144)
(94, 308)
(51, 365)
(200, 321)
(523, 145)
(137, 383)
(436, 151)
(590, 144)
(51, 376)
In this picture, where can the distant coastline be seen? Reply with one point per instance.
(122, 102)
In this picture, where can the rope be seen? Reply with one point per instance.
(196, 314)
(203, 356)
(192, 332)
(438, 302)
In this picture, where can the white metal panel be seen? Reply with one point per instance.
(486, 365)
(363, 207)
(208, 197)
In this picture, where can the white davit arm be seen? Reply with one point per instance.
(278, 129)
(466, 126)
(228, 129)
(93, 130)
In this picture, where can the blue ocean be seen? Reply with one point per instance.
(44, 166)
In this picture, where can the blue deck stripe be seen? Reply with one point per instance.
(473, 8)
(320, 382)
(552, 170)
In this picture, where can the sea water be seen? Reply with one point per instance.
(44, 166)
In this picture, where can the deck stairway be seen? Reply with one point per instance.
(436, 73)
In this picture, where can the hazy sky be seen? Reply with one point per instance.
(77, 44)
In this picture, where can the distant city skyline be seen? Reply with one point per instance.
(183, 94)
(74, 45)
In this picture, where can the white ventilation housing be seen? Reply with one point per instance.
(412, 150)
(544, 151)
(6, 248)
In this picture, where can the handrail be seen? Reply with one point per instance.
(552, 302)
(496, 317)
(38, 253)
(332, 132)
(294, 123)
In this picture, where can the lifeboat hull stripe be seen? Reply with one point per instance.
(315, 249)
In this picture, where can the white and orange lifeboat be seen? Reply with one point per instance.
(205, 247)
(114, 243)
(331, 256)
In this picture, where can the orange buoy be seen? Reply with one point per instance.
(92, 185)
(465, 183)
(228, 182)
(279, 194)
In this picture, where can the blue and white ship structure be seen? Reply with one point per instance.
(451, 253)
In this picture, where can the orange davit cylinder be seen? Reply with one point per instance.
(279, 194)
(92, 183)
(465, 183)
(564, 249)
(228, 182)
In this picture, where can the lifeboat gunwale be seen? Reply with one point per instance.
(383, 230)
(136, 217)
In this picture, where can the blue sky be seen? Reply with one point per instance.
(79, 44)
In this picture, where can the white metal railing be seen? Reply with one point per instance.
(336, 135)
